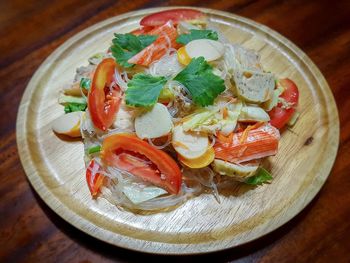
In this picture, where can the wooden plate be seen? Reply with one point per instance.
(56, 169)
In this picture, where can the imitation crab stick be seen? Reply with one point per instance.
(166, 39)
(259, 143)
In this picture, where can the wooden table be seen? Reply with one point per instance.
(31, 30)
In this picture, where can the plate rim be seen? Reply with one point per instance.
(24, 151)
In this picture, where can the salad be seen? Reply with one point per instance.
(172, 110)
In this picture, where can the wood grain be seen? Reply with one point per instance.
(318, 234)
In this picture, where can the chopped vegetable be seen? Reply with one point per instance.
(72, 107)
(174, 15)
(138, 194)
(85, 83)
(94, 178)
(66, 99)
(136, 156)
(153, 123)
(293, 119)
(143, 90)
(125, 46)
(262, 176)
(237, 171)
(203, 85)
(143, 30)
(273, 101)
(103, 104)
(94, 149)
(214, 118)
(283, 112)
(196, 34)
(253, 114)
(74, 90)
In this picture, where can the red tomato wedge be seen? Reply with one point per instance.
(167, 35)
(174, 15)
(103, 102)
(93, 178)
(143, 30)
(280, 115)
(129, 153)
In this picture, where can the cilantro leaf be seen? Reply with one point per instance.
(198, 77)
(143, 90)
(262, 176)
(125, 46)
(197, 34)
(71, 107)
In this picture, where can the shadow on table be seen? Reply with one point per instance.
(120, 254)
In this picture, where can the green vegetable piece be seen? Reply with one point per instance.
(196, 34)
(65, 99)
(85, 83)
(94, 149)
(125, 46)
(262, 176)
(198, 77)
(71, 107)
(143, 90)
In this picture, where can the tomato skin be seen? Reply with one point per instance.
(280, 116)
(94, 179)
(142, 30)
(171, 175)
(103, 107)
(175, 15)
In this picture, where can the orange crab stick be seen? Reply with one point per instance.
(166, 39)
(257, 143)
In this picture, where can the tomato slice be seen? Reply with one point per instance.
(129, 153)
(136, 164)
(143, 30)
(103, 102)
(280, 115)
(175, 15)
(93, 178)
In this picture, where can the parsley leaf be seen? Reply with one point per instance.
(203, 85)
(196, 34)
(262, 176)
(143, 90)
(71, 107)
(125, 46)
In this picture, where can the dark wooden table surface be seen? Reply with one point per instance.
(30, 30)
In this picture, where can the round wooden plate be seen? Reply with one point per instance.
(55, 167)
